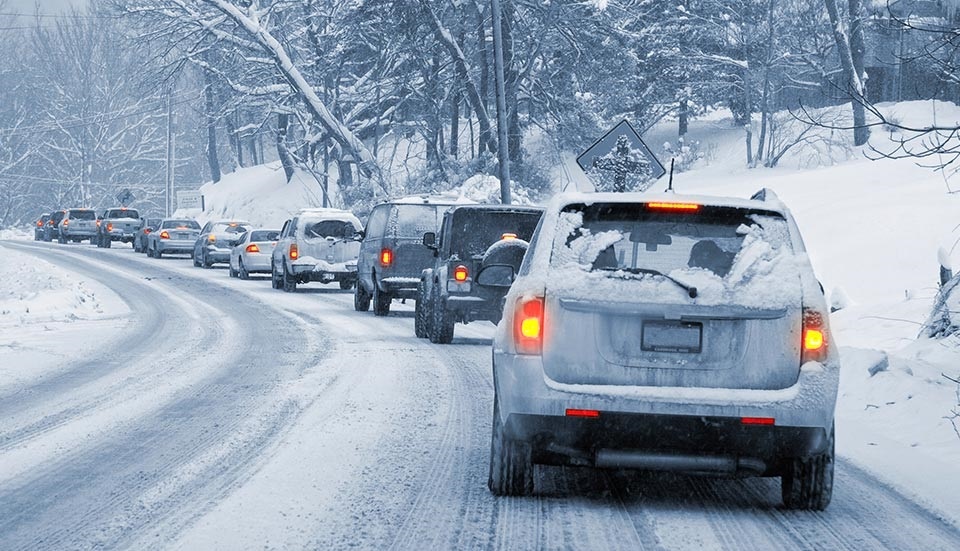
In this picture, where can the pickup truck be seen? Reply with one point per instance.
(117, 224)
(317, 245)
(478, 253)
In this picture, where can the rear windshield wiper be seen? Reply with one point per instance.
(692, 291)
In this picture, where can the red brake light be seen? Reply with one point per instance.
(109, 226)
(757, 420)
(684, 207)
(99, 222)
(814, 345)
(66, 222)
(294, 251)
(164, 235)
(39, 223)
(528, 326)
(253, 248)
(460, 273)
(146, 230)
(386, 257)
(588, 413)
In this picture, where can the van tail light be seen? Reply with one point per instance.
(109, 226)
(386, 257)
(528, 326)
(253, 248)
(814, 345)
(164, 235)
(461, 273)
(294, 251)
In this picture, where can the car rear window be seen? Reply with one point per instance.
(472, 231)
(340, 229)
(82, 215)
(228, 227)
(412, 221)
(123, 213)
(264, 235)
(724, 248)
(191, 224)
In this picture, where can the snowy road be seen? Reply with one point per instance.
(228, 415)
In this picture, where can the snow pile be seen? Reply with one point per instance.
(260, 195)
(483, 188)
(16, 234)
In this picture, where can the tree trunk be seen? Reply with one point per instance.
(683, 118)
(455, 123)
(483, 60)
(511, 83)
(283, 153)
(235, 145)
(210, 106)
(860, 132)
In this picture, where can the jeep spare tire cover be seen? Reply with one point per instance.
(505, 251)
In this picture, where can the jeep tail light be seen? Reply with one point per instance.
(528, 326)
(164, 235)
(109, 226)
(253, 248)
(674, 207)
(460, 273)
(294, 251)
(814, 345)
(386, 257)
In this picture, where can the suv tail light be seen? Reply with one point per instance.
(460, 273)
(294, 251)
(109, 226)
(386, 257)
(66, 222)
(528, 326)
(253, 248)
(39, 223)
(814, 345)
(164, 235)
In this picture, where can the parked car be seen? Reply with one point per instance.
(466, 281)
(52, 229)
(317, 245)
(392, 254)
(215, 241)
(117, 224)
(77, 225)
(146, 226)
(252, 254)
(173, 236)
(663, 332)
(40, 231)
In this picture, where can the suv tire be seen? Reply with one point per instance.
(381, 300)
(107, 242)
(420, 312)
(441, 326)
(289, 280)
(807, 482)
(361, 298)
(511, 461)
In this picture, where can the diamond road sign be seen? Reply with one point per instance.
(125, 197)
(620, 161)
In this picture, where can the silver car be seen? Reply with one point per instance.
(173, 236)
(215, 241)
(252, 253)
(667, 333)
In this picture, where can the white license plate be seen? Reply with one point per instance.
(671, 336)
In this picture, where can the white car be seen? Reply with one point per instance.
(317, 245)
(252, 254)
(666, 332)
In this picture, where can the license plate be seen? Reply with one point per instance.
(669, 336)
(182, 235)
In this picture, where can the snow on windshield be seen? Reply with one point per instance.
(611, 254)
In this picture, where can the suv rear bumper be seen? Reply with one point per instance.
(694, 420)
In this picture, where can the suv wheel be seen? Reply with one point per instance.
(420, 312)
(107, 241)
(381, 300)
(361, 299)
(807, 483)
(441, 326)
(289, 280)
(511, 461)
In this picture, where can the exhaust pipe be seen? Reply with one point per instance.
(646, 461)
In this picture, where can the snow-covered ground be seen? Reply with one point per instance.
(872, 229)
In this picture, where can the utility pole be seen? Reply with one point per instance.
(503, 154)
(170, 155)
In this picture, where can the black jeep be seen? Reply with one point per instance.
(479, 251)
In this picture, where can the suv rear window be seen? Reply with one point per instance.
(472, 231)
(412, 221)
(82, 215)
(340, 229)
(122, 213)
(744, 256)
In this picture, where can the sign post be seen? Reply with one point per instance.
(622, 156)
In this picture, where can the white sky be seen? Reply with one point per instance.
(46, 6)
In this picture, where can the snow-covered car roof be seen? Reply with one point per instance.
(432, 200)
(318, 214)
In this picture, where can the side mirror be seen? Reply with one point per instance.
(496, 275)
(359, 235)
(430, 240)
